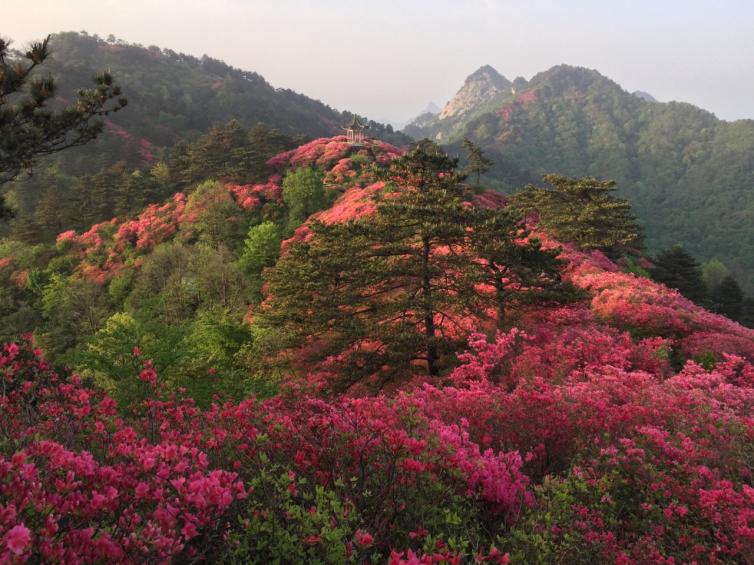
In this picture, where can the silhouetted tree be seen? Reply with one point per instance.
(28, 128)
(677, 269)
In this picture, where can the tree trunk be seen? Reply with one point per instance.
(429, 314)
(500, 298)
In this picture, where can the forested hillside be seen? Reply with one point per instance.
(561, 408)
(235, 344)
(173, 99)
(688, 175)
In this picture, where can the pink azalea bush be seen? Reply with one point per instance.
(568, 436)
(343, 163)
(614, 430)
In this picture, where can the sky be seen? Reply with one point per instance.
(387, 59)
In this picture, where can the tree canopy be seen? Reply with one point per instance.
(677, 269)
(581, 210)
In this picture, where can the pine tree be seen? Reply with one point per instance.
(676, 268)
(398, 288)
(514, 264)
(28, 129)
(583, 211)
(478, 164)
(728, 298)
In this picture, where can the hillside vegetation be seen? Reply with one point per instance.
(174, 99)
(606, 421)
(250, 347)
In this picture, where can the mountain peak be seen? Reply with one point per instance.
(489, 74)
(646, 96)
(480, 86)
(431, 108)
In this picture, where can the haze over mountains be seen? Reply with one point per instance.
(688, 175)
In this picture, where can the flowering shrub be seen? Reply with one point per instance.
(594, 459)
(617, 429)
(650, 309)
(344, 163)
(78, 484)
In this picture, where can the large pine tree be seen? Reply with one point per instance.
(399, 287)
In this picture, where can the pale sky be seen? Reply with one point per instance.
(388, 58)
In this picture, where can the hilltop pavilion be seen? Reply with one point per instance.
(355, 131)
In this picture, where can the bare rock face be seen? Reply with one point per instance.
(482, 85)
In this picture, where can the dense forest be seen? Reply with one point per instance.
(255, 347)
(687, 174)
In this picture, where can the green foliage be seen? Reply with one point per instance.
(686, 173)
(209, 363)
(677, 269)
(109, 357)
(198, 356)
(583, 211)
(539, 538)
(28, 128)
(289, 520)
(393, 290)
(304, 194)
(478, 164)
(74, 307)
(261, 248)
(216, 216)
(632, 265)
(713, 273)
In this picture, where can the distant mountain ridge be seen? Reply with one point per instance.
(689, 176)
(174, 97)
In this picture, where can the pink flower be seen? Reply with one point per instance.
(18, 538)
(364, 538)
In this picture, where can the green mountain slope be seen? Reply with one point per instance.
(689, 176)
(174, 96)
(173, 99)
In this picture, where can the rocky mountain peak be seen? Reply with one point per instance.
(480, 86)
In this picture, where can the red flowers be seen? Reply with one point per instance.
(148, 374)
(364, 538)
(617, 429)
(17, 539)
